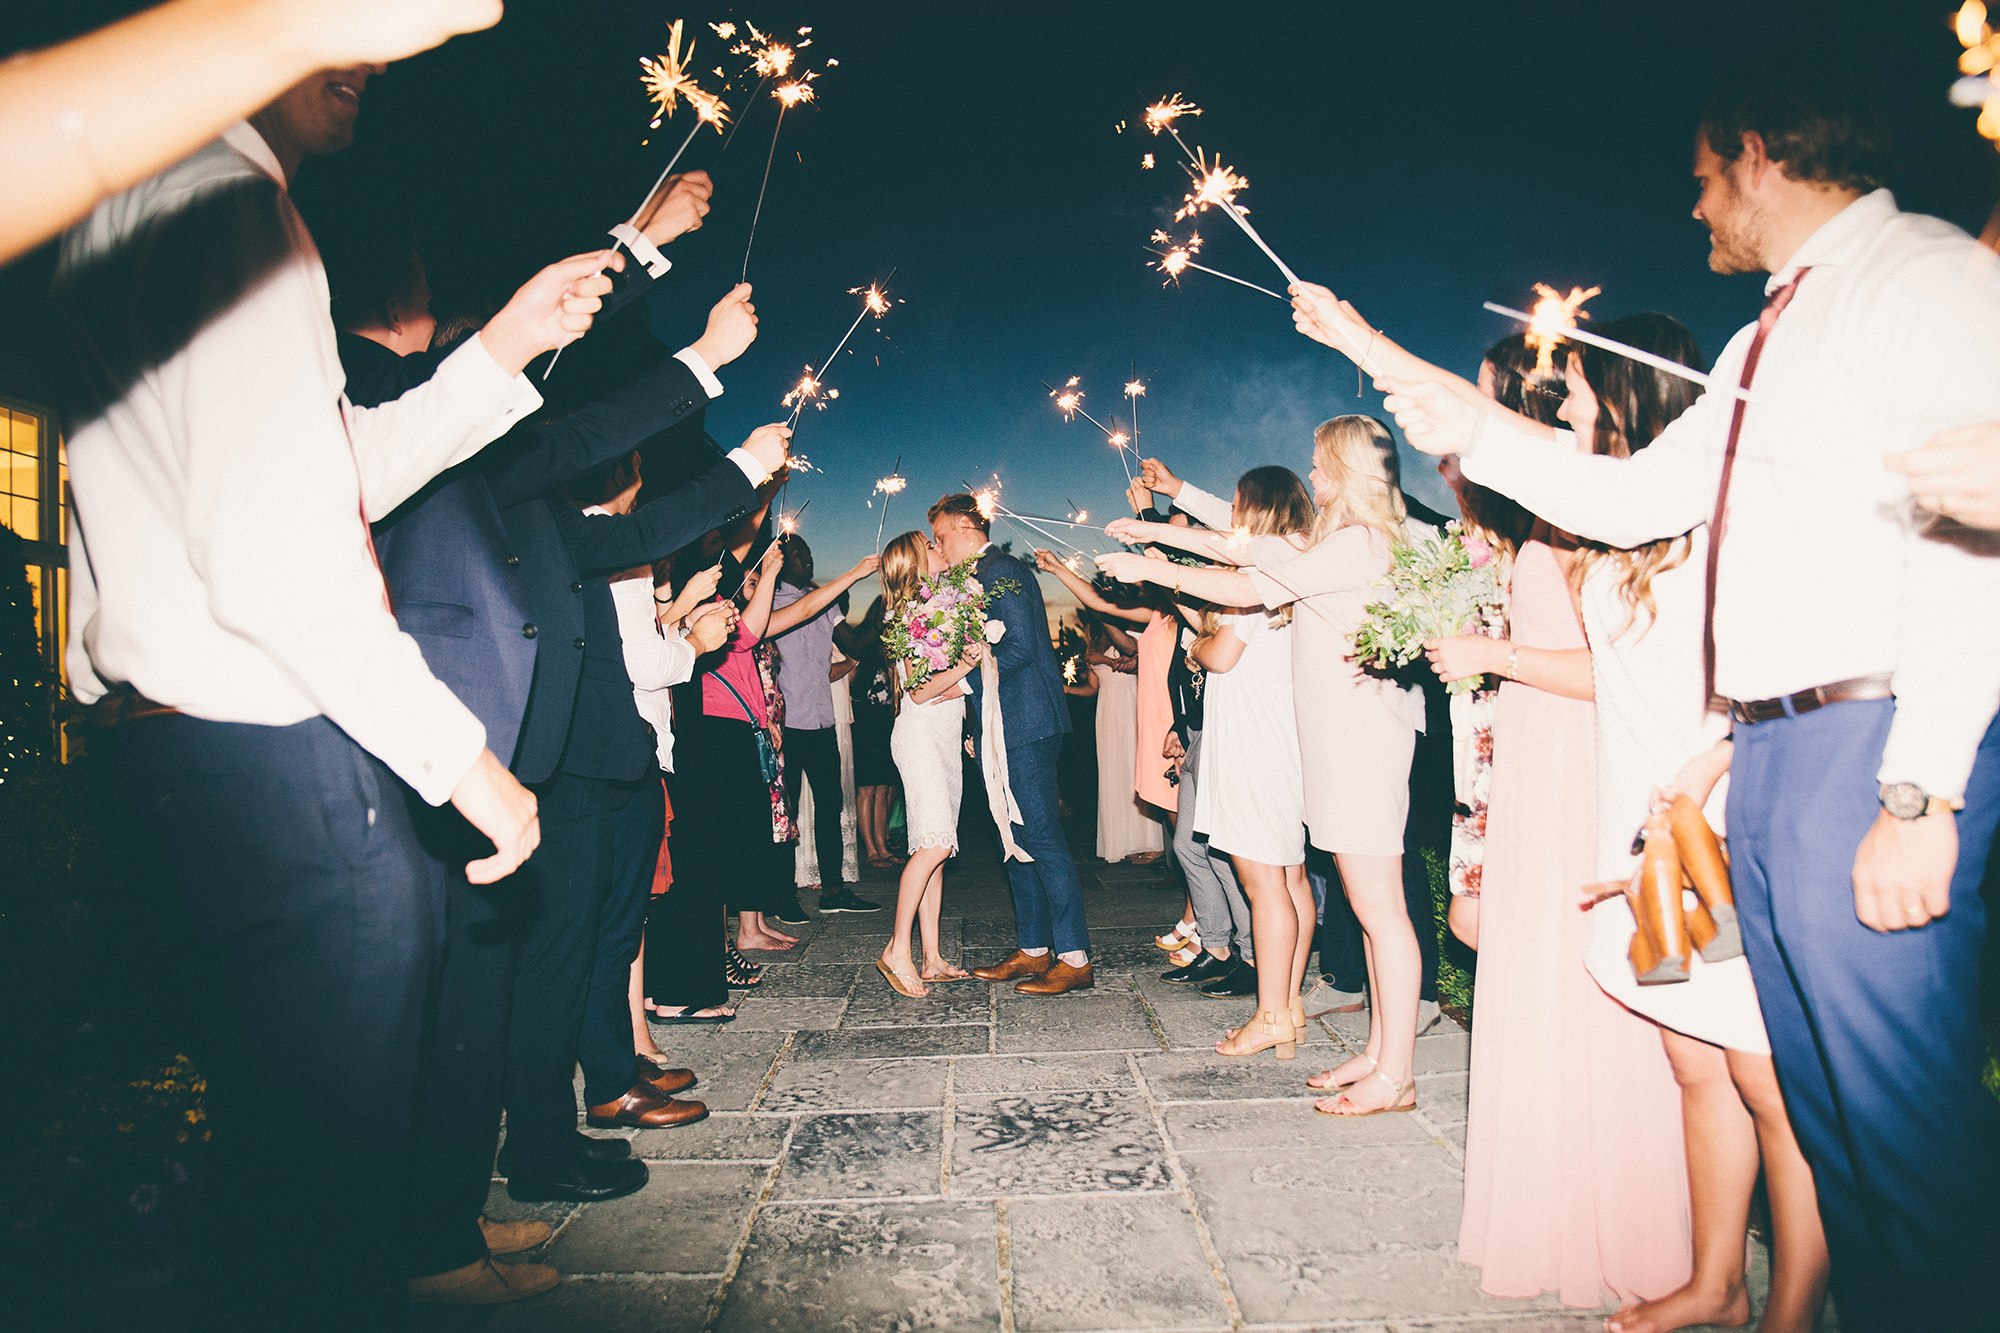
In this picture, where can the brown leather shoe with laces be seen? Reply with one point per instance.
(483, 1282)
(1059, 980)
(1015, 966)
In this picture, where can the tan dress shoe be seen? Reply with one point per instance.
(1015, 966)
(483, 1282)
(667, 1082)
(1059, 980)
(642, 1108)
(513, 1237)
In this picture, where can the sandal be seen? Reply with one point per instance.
(739, 971)
(687, 1016)
(1271, 1029)
(946, 972)
(1396, 1106)
(1182, 935)
(905, 984)
(1328, 1085)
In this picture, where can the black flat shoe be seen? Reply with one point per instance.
(1205, 968)
(584, 1182)
(713, 1020)
(791, 914)
(1240, 979)
(845, 900)
(589, 1148)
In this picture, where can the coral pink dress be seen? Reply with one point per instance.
(1156, 712)
(1575, 1173)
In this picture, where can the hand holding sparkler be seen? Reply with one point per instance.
(677, 210)
(770, 445)
(1156, 476)
(711, 626)
(732, 327)
(550, 311)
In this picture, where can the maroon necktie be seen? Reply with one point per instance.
(1773, 307)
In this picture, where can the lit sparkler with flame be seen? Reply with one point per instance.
(874, 301)
(1553, 319)
(774, 60)
(1979, 64)
(888, 488)
(1135, 389)
(987, 499)
(1216, 186)
(1069, 401)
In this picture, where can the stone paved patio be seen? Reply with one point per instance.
(982, 1160)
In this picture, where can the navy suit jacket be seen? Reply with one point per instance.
(482, 596)
(1031, 691)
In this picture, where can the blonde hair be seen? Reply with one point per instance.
(1358, 456)
(905, 562)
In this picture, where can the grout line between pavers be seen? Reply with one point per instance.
(950, 1126)
(771, 1075)
(1004, 1242)
(1186, 1190)
(1017, 1196)
(1152, 1017)
(735, 1264)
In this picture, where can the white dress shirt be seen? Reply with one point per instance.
(1827, 571)
(219, 559)
(656, 660)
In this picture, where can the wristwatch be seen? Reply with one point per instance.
(1906, 800)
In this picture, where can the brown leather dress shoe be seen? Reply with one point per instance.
(483, 1282)
(513, 1237)
(642, 1108)
(667, 1082)
(1015, 966)
(1059, 980)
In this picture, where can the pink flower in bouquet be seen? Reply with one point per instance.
(996, 630)
(1479, 552)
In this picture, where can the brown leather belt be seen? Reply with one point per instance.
(125, 704)
(1805, 701)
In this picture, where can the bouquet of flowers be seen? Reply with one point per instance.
(1439, 587)
(947, 616)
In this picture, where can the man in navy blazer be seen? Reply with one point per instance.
(1052, 956)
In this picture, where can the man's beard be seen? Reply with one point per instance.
(1738, 247)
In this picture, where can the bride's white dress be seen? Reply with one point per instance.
(928, 744)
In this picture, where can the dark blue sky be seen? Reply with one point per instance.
(1419, 159)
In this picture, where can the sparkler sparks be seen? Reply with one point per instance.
(1554, 318)
(1162, 114)
(888, 488)
(1146, 162)
(1549, 320)
(891, 485)
(1215, 184)
(874, 301)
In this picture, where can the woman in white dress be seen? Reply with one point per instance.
(1126, 829)
(928, 743)
(1643, 612)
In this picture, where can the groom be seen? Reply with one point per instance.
(1048, 900)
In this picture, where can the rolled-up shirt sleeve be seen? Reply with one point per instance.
(273, 510)
(401, 444)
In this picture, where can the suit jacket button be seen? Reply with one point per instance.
(528, 631)
(576, 587)
(579, 645)
(512, 561)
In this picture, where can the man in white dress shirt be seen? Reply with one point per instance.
(230, 621)
(1855, 642)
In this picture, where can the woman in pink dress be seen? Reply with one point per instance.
(1574, 1180)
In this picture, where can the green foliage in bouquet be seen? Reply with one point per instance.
(946, 617)
(1438, 587)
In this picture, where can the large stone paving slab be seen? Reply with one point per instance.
(1098, 1264)
(724, 1137)
(594, 1304)
(855, 1085)
(890, 1043)
(1202, 1075)
(830, 981)
(973, 1075)
(756, 1012)
(688, 1219)
(875, 1005)
(1056, 1143)
(871, 1155)
(1279, 1126)
(867, 1268)
(1106, 1019)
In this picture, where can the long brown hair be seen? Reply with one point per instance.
(1489, 515)
(905, 562)
(1271, 501)
(1634, 404)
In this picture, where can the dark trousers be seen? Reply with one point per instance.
(567, 880)
(1048, 897)
(684, 926)
(461, 1079)
(307, 923)
(604, 1046)
(814, 756)
(1875, 1036)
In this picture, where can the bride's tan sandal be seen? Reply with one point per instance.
(1396, 1106)
(905, 984)
(1323, 1081)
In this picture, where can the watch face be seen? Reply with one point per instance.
(1904, 800)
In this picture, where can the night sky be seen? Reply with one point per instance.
(1418, 159)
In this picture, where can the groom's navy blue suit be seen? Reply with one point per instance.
(1048, 898)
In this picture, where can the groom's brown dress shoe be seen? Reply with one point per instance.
(668, 1082)
(1015, 966)
(643, 1108)
(1059, 980)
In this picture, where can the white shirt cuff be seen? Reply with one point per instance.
(471, 369)
(754, 470)
(642, 248)
(692, 359)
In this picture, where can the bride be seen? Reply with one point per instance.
(926, 743)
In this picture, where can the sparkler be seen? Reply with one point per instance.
(1554, 318)
(1177, 258)
(1069, 401)
(789, 95)
(888, 488)
(787, 525)
(874, 301)
(1612, 345)
(1216, 186)
(987, 498)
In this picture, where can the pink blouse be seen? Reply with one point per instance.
(739, 668)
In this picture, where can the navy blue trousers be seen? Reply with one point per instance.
(604, 1046)
(1048, 897)
(1875, 1036)
(299, 895)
